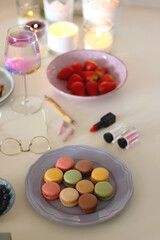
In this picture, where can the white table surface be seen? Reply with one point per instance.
(137, 44)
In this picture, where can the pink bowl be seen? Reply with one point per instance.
(116, 68)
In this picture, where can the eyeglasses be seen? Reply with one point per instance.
(11, 146)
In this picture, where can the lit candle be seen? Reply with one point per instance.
(40, 30)
(63, 37)
(27, 12)
(98, 40)
(38, 26)
(98, 35)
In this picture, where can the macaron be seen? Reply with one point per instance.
(65, 163)
(53, 175)
(99, 174)
(103, 190)
(51, 190)
(88, 203)
(72, 177)
(69, 197)
(85, 186)
(84, 166)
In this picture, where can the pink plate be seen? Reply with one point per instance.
(116, 68)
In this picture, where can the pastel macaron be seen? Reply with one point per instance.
(103, 190)
(51, 190)
(71, 178)
(85, 186)
(84, 166)
(69, 197)
(88, 203)
(65, 163)
(53, 175)
(99, 174)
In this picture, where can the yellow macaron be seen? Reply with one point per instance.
(53, 175)
(99, 174)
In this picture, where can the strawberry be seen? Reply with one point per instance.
(89, 76)
(77, 67)
(106, 78)
(78, 88)
(92, 88)
(74, 78)
(65, 73)
(105, 87)
(101, 71)
(90, 65)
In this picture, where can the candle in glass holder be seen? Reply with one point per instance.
(40, 30)
(98, 34)
(58, 10)
(63, 36)
(100, 9)
(27, 10)
(38, 26)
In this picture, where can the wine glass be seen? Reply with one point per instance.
(22, 56)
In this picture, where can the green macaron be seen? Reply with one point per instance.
(71, 178)
(103, 190)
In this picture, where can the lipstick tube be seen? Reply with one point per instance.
(129, 138)
(115, 133)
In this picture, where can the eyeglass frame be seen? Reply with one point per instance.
(21, 147)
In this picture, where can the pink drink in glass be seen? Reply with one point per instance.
(22, 53)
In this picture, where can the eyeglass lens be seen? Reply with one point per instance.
(11, 146)
(39, 145)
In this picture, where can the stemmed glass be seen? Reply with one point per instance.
(22, 56)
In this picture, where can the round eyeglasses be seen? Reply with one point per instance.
(11, 146)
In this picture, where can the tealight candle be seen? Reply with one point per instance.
(38, 26)
(27, 12)
(40, 30)
(63, 36)
(98, 34)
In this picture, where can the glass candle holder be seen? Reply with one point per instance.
(40, 28)
(98, 34)
(58, 10)
(100, 8)
(27, 10)
(78, 7)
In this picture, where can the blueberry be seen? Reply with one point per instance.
(5, 190)
(1, 193)
(2, 186)
(6, 196)
(2, 209)
(5, 203)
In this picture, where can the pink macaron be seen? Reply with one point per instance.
(51, 190)
(65, 163)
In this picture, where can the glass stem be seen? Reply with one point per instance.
(25, 90)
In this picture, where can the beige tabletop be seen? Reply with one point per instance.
(137, 44)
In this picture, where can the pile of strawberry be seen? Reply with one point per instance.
(87, 80)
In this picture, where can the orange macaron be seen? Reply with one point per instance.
(85, 186)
